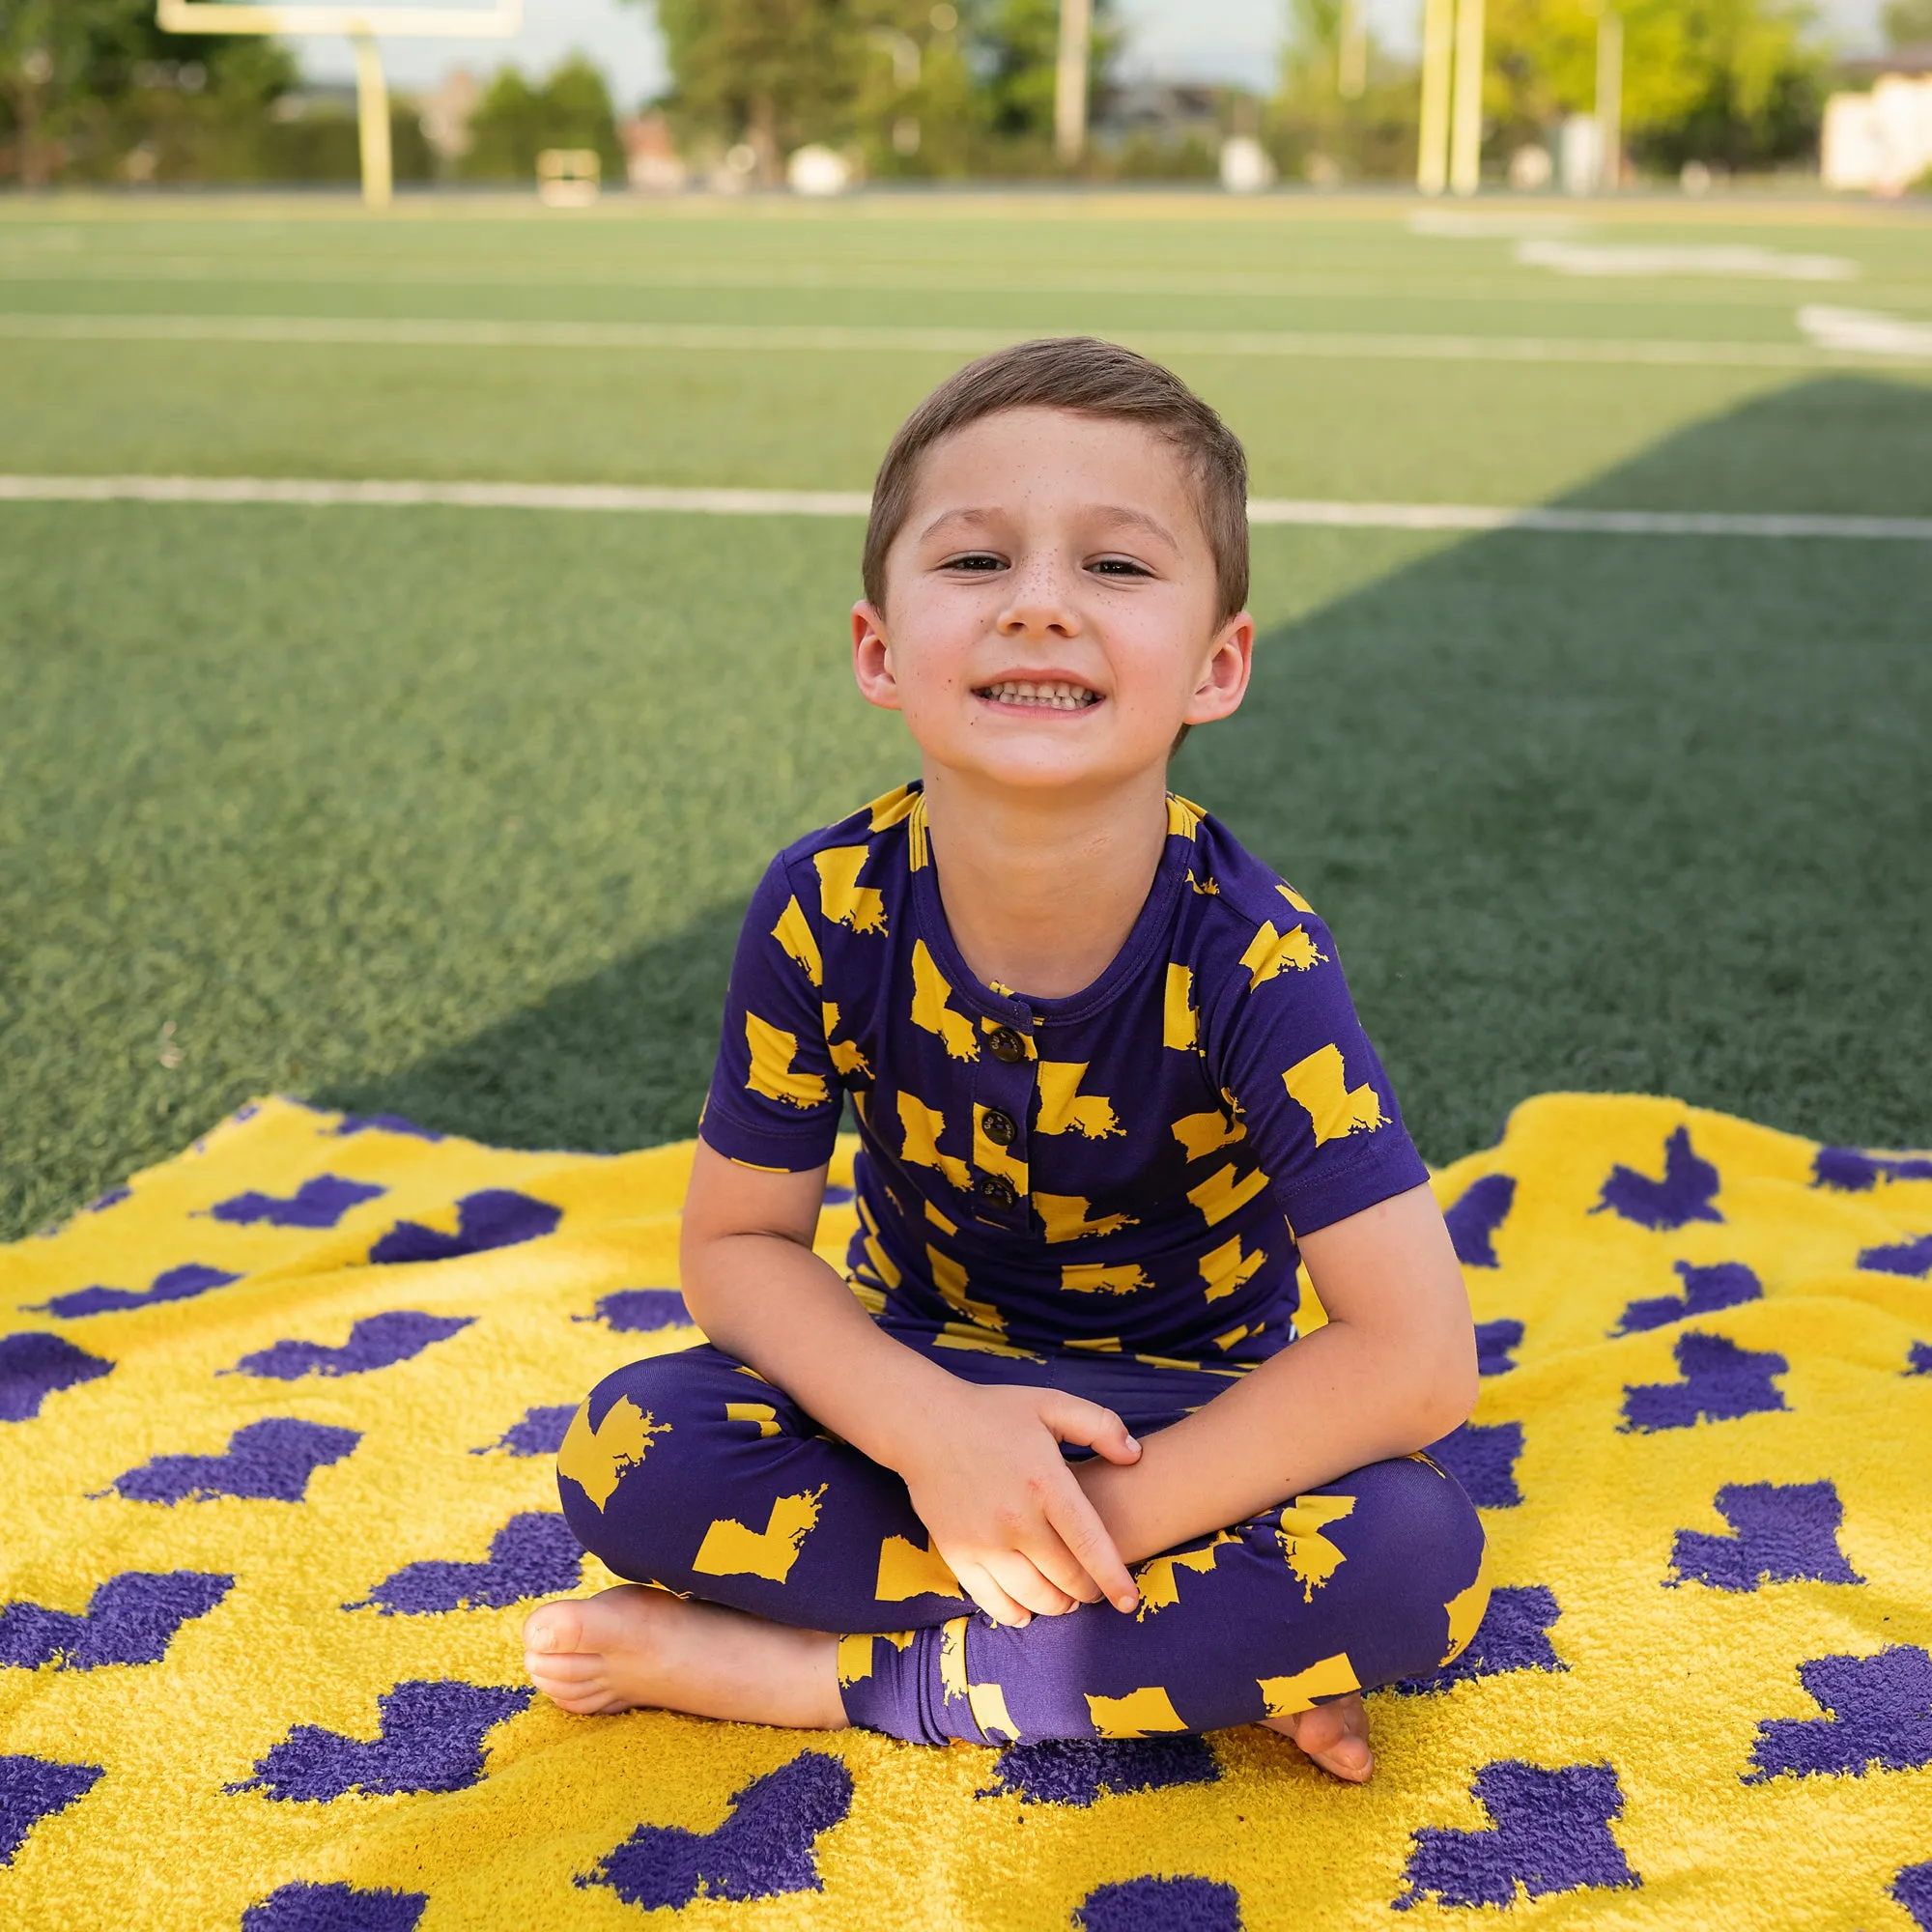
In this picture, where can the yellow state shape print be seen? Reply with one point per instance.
(1064, 1108)
(1066, 1217)
(1319, 1087)
(920, 1127)
(731, 1549)
(845, 1054)
(793, 933)
(1097, 1278)
(1140, 1714)
(842, 898)
(889, 806)
(1221, 1193)
(952, 1657)
(1270, 952)
(905, 1570)
(772, 1051)
(949, 1277)
(1028, 1051)
(760, 1412)
(1202, 1134)
(1158, 1579)
(930, 1012)
(1227, 1268)
(1331, 1677)
(1234, 1335)
(596, 1458)
(1464, 1611)
(883, 1264)
(1294, 897)
(1310, 1554)
(855, 1653)
(1183, 816)
(988, 1704)
(1179, 1026)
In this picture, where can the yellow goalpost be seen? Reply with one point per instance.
(364, 26)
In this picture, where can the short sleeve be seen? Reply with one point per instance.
(1284, 1043)
(775, 1095)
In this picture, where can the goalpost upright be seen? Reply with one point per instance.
(364, 26)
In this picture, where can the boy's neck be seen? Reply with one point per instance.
(1042, 890)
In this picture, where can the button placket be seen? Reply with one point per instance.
(1001, 1103)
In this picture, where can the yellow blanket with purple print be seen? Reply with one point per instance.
(276, 1428)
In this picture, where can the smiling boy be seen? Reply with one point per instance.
(1049, 1459)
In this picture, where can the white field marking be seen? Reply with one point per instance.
(319, 491)
(770, 339)
(1865, 332)
(1729, 262)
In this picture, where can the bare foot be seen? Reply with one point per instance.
(1336, 1736)
(633, 1646)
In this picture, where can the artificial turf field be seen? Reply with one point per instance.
(451, 812)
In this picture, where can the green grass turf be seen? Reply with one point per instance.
(452, 814)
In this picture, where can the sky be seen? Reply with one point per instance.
(1234, 41)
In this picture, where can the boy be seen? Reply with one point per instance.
(1050, 1461)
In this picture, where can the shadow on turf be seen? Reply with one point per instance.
(1643, 814)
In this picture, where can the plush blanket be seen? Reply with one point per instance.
(276, 1427)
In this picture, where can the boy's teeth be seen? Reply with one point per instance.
(1058, 696)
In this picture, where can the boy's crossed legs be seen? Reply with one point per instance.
(815, 1600)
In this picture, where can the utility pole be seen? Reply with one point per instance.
(1069, 80)
(1351, 51)
(1466, 138)
(1432, 161)
(1609, 99)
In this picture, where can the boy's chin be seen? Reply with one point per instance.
(1049, 768)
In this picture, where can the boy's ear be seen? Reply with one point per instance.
(1224, 677)
(872, 657)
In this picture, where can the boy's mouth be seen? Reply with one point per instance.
(1047, 694)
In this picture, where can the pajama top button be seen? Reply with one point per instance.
(995, 1190)
(1006, 1045)
(998, 1128)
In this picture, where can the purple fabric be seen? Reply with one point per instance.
(1851, 1171)
(113, 1198)
(432, 1739)
(376, 1342)
(1495, 1340)
(130, 1619)
(1919, 1360)
(640, 1311)
(1721, 1382)
(1782, 1534)
(1482, 1457)
(1223, 1618)
(1159, 1904)
(1706, 1289)
(764, 1849)
(1078, 1771)
(1550, 1832)
(495, 1217)
(385, 1124)
(1513, 1635)
(175, 1283)
(33, 1788)
(1913, 1889)
(1880, 1716)
(271, 1461)
(34, 1365)
(320, 1202)
(1913, 1257)
(540, 1433)
(532, 1555)
(1483, 1207)
(308, 1907)
(1685, 1193)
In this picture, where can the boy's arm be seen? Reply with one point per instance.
(1393, 1369)
(982, 1464)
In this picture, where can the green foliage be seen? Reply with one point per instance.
(516, 120)
(1906, 23)
(1314, 133)
(1738, 83)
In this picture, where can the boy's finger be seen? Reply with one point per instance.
(1074, 1419)
(1027, 1584)
(1083, 1532)
(1050, 1556)
(978, 1583)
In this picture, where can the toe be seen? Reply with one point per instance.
(555, 1627)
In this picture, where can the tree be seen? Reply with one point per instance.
(1312, 129)
(1908, 23)
(515, 121)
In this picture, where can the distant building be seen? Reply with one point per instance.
(1881, 142)
(446, 112)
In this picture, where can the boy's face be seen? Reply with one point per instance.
(1050, 605)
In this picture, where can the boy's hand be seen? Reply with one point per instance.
(988, 1481)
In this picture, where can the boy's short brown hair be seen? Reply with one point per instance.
(1090, 377)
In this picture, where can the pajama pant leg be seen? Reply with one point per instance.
(690, 1472)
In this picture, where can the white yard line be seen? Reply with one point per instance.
(750, 338)
(323, 492)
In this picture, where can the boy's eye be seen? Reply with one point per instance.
(1119, 566)
(975, 560)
